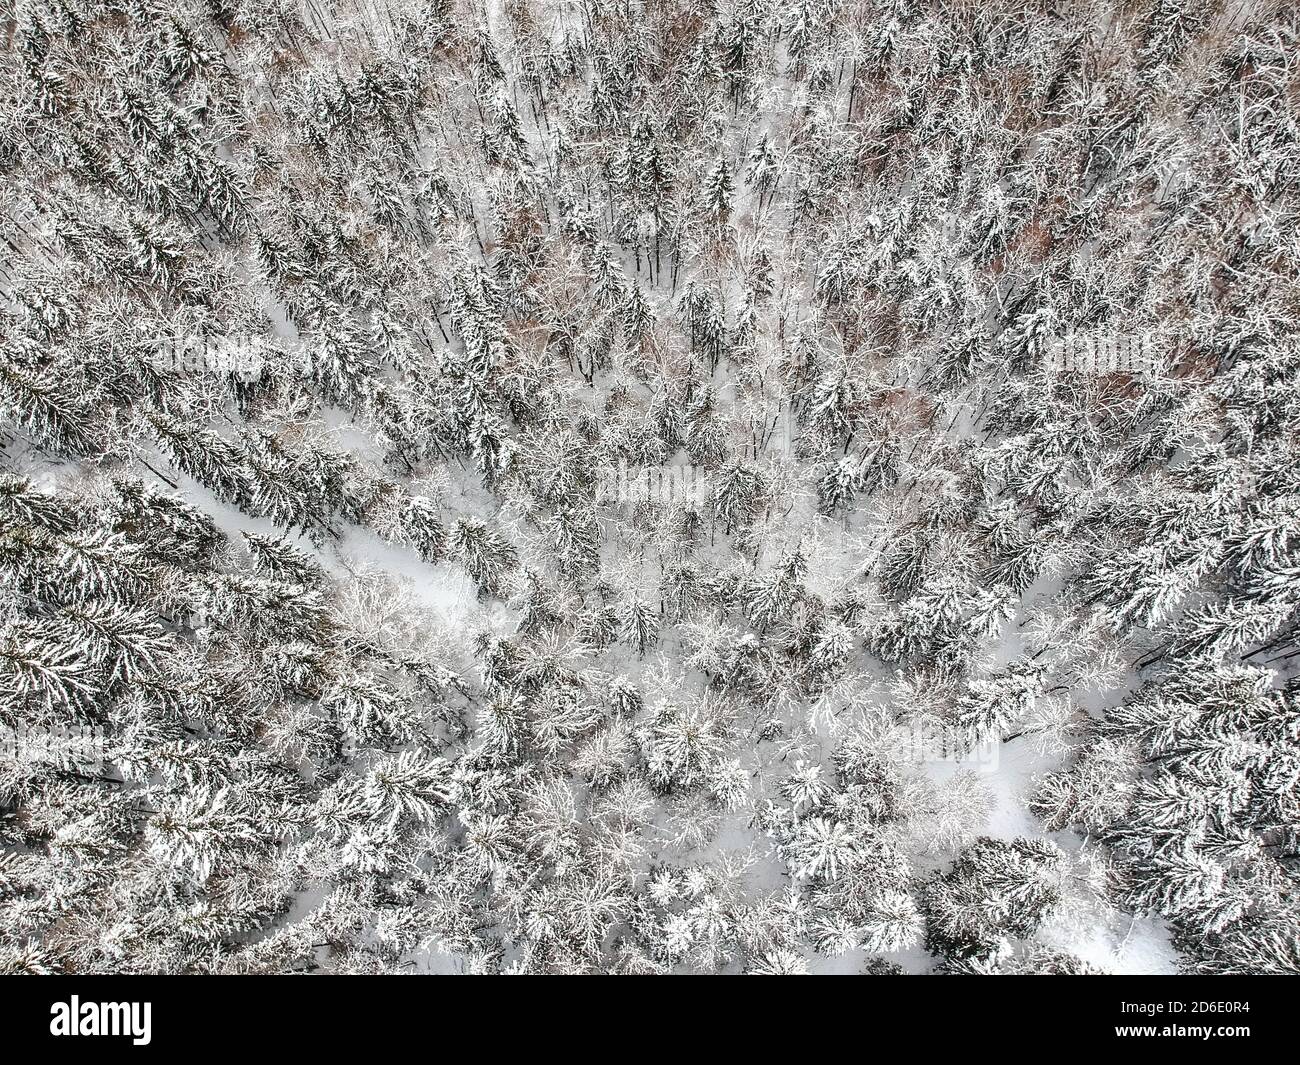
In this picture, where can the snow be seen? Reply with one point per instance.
(914, 276)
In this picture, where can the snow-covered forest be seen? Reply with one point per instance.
(649, 486)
